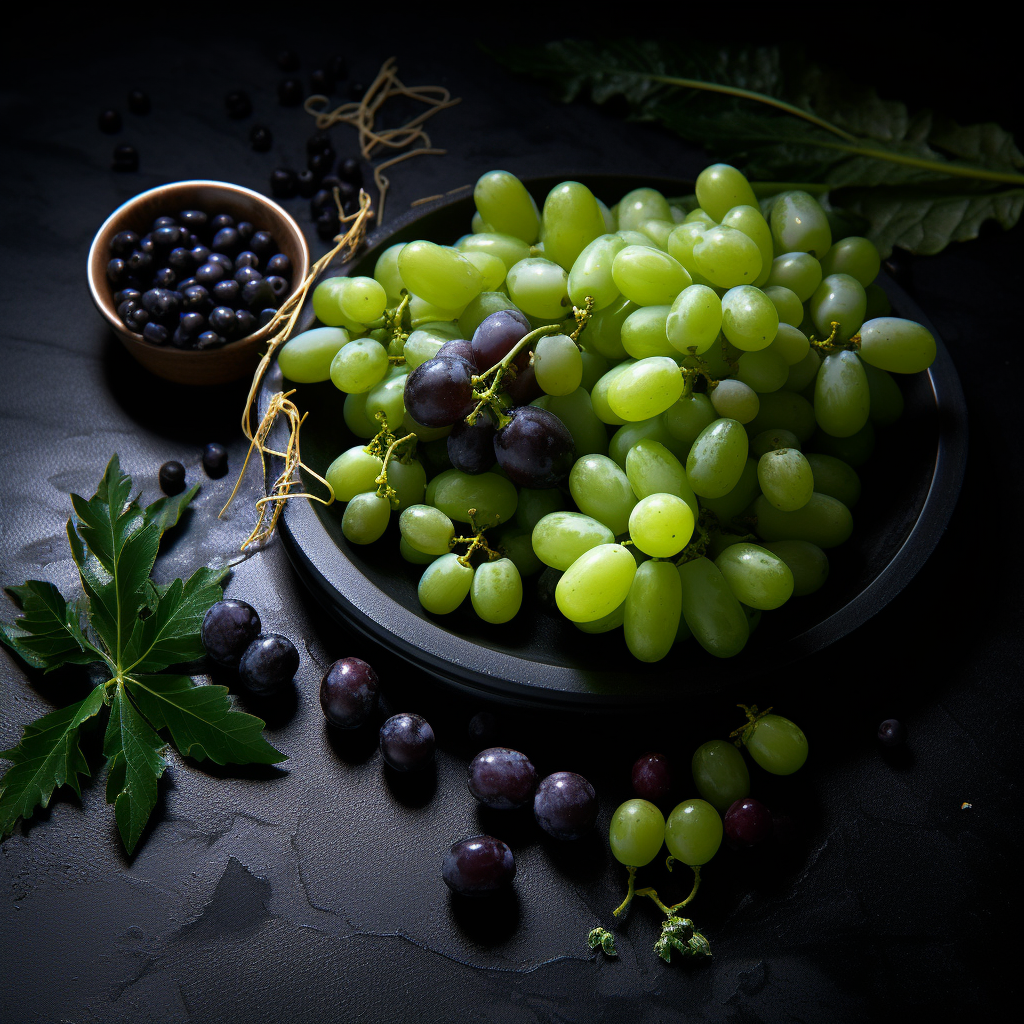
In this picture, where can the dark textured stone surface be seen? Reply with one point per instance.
(313, 890)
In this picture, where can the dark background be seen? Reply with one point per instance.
(314, 891)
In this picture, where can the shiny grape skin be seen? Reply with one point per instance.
(228, 628)
(535, 449)
(892, 733)
(348, 693)
(458, 348)
(407, 742)
(269, 662)
(478, 866)
(652, 779)
(471, 448)
(502, 778)
(565, 805)
(439, 392)
(523, 388)
(747, 822)
(497, 335)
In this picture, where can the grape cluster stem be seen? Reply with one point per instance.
(742, 734)
(476, 543)
(830, 346)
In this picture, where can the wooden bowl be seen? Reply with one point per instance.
(186, 366)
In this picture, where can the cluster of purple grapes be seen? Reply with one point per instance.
(232, 636)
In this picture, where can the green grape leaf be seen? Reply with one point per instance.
(200, 720)
(134, 765)
(47, 756)
(49, 634)
(165, 512)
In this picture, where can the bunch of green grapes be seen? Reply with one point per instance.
(665, 402)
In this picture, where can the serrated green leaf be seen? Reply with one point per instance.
(165, 512)
(49, 634)
(47, 756)
(135, 764)
(200, 720)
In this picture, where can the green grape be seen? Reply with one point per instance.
(878, 304)
(681, 244)
(886, 405)
(799, 224)
(599, 394)
(658, 231)
(842, 399)
(688, 417)
(735, 400)
(606, 623)
(786, 479)
(387, 274)
(440, 275)
(712, 612)
(720, 774)
(604, 329)
(749, 319)
(762, 371)
(455, 493)
(854, 450)
(504, 204)
(787, 305)
(643, 333)
(359, 365)
(749, 220)
(362, 299)
(445, 329)
(509, 249)
(539, 288)
(835, 478)
(699, 216)
(388, 398)
(800, 272)
(790, 343)
(716, 459)
(806, 561)
(693, 832)
(784, 409)
(855, 256)
(492, 270)
(480, 308)
(595, 366)
(409, 479)
(652, 469)
(838, 299)
(694, 320)
(661, 525)
(427, 529)
(558, 364)
(411, 555)
(327, 305)
(652, 612)
(306, 358)
(646, 388)
(730, 505)
(773, 440)
(720, 187)
(640, 205)
(559, 538)
(410, 426)
(823, 521)
(896, 345)
(497, 591)
(596, 583)
(444, 584)
(535, 504)
(601, 490)
(636, 833)
(611, 220)
(515, 544)
(422, 312)
(576, 411)
(420, 346)
(631, 434)
(635, 238)
(366, 518)
(354, 414)
(727, 257)
(591, 274)
(648, 276)
(803, 373)
(570, 221)
(353, 472)
(777, 745)
(758, 578)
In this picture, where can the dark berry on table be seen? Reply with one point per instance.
(330, 181)
(123, 243)
(407, 742)
(222, 320)
(651, 778)
(278, 285)
(215, 460)
(237, 104)
(181, 259)
(350, 170)
(194, 220)
(257, 295)
(165, 277)
(327, 225)
(266, 315)
(284, 183)
(288, 60)
(181, 339)
(210, 273)
(322, 200)
(892, 733)
(338, 66)
(482, 730)
(109, 122)
(307, 182)
(229, 627)
(747, 822)
(260, 138)
(226, 240)
(565, 805)
(245, 322)
(172, 478)
(321, 81)
(138, 102)
(478, 866)
(165, 237)
(502, 778)
(290, 92)
(165, 220)
(262, 243)
(117, 271)
(156, 334)
(279, 265)
(196, 298)
(318, 142)
(146, 244)
(126, 158)
(209, 339)
(246, 229)
(246, 274)
(320, 164)
(348, 693)
(227, 293)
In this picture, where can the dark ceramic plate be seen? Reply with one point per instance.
(910, 487)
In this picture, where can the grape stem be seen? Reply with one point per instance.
(743, 733)
(630, 893)
(582, 317)
(384, 489)
(830, 345)
(476, 543)
(652, 895)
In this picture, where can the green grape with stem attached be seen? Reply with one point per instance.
(366, 518)
(758, 578)
(693, 832)
(776, 744)
(596, 583)
(842, 399)
(409, 480)
(896, 345)
(806, 561)
(720, 774)
(838, 299)
(353, 472)
(636, 833)
(444, 584)
(558, 364)
(559, 538)
(307, 358)
(497, 591)
(652, 611)
(786, 479)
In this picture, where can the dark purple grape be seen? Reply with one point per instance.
(172, 478)
(892, 733)
(262, 244)
(565, 805)
(478, 866)
(747, 822)
(652, 779)
(246, 229)
(194, 220)
(260, 138)
(535, 449)
(109, 122)
(471, 448)
(307, 182)
(439, 392)
(123, 243)
(126, 158)
(226, 240)
(180, 259)
(348, 693)
(139, 103)
(502, 778)
(209, 339)
(245, 321)
(458, 349)
(350, 169)
(162, 304)
(290, 92)
(237, 104)
(196, 298)
(269, 662)
(227, 293)
(279, 265)
(210, 273)
(407, 742)
(284, 183)
(246, 274)
(278, 285)
(318, 142)
(321, 81)
(497, 335)
(229, 627)
(156, 334)
(523, 388)
(215, 460)
(222, 259)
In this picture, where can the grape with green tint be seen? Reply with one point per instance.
(694, 320)
(762, 371)
(842, 399)
(661, 525)
(886, 399)
(776, 744)
(496, 591)
(758, 578)
(492, 272)
(798, 271)
(504, 203)
(576, 411)
(786, 479)
(646, 388)
(791, 343)
(570, 221)
(558, 364)
(799, 224)
(636, 833)
(772, 440)
(716, 459)
(720, 187)
(839, 299)
(896, 345)
(601, 490)
(359, 365)
(749, 319)
(748, 219)
(652, 611)
(648, 276)
(509, 249)
(591, 274)
(353, 472)
(631, 434)
(444, 584)
(439, 274)
(652, 469)
(387, 274)
(720, 774)
(641, 205)
(806, 561)
(307, 358)
(539, 288)
(787, 305)
(711, 610)
(427, 529)
(559, 538)
(644, 333)
(727, 257)
(596, 583)
(366, 518)
(855, 256)
(493, 497)
(835, 478)
(823, 521)
(690, 415)
(693, 832)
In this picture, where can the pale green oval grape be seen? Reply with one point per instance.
(599, 395)
(652, 469)
(444, 584)
(711, 610)
(359, 365)
(636, 833)
(558, 364)
(362, 299)
(492, 270)
(786, 479)
(661, 525)
(515, 544)
(716, 459)
(658, 231)
(646, 388)
(896, 345)
(366, 518)
(353, 472)
(652, 612)
(749, 319)
(800, 272)
(307, 358)
(773, 440)
(698, 215)
(539, 288)
(611, 221)
(787, 305)
(327, 305)
(688, 417)
(695, 319)
(735, 400)
(455, 493)
(842, 399)
(559, 538)
(806, 561)
(855, 256)
(762, 371)
(388, 398)
(681, 244)
(720, 774)
(603, 331)
(509, 249)
(787, 410)
(576, 411)
(693, 832)
(749, 220)
(354, 414)
(799, 224)
(387, 274)
(595, 366)
(439, 274)
(730, 505)
(822, 521)
(427, 529)
(631, 434)
(854, 450)
(635, 238)
(640, 205)
(596, 583)
(480, 308)
(497, 591)
(422, 312)
(790, 343)
(838, 299)
(478, 225)
(535, 504)
(835, 478)
(727, 257)
(606, 623)
(601, 490)
(411, 555)
(758, 578)
(777, 745)
(420, 346)
(409, 479)
(570, 221)
(503, 203)
(643, 332)
(648, 276)
(803, 373)
(591, 274)
(720, 187)
(886, 397)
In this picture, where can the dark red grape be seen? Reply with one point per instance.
(747, 822)
(523, 388)
(892, 733)
(172, 478)
(652, 779)
(497, 335)
(565, 805)
(348, 693)
(228, 628)
(406, 742)
(457, 348)
(269, 662)
(439, 392)
(478, 866)
(535, 449)
(502, 778)
(471, 448)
